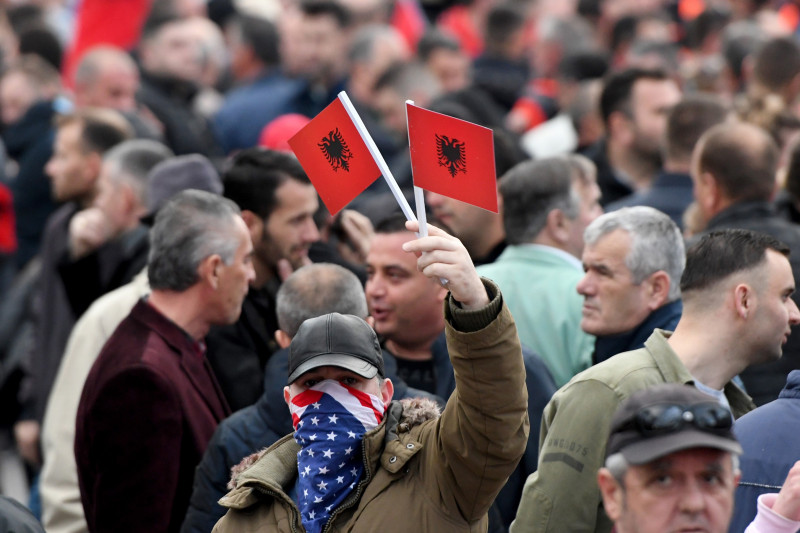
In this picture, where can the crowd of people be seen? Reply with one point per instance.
(190, 341)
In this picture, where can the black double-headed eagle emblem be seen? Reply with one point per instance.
(335, 149)
(451, 154)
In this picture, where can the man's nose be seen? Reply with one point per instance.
(584, 285)
(692, 498)
(311, 232)
(433, 199)
(794, 313)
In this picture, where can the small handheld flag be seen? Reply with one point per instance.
(335, 157)
(452, 157)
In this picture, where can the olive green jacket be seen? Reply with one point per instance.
(421, 474)
(562, 495)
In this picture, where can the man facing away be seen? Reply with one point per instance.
(547, 205)
(734, 169)
(151, 402)
(377, 464)
(738, 311)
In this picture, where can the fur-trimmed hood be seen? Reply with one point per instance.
(400, 416)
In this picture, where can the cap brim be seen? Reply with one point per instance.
(649, 449)
(348, 362)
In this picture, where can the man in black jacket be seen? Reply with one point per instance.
(278, 203)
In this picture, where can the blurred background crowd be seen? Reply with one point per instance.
(81, 78)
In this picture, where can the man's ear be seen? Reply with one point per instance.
(744, 300)
(711, 196)
(658, 289)
(282, 338)
(619, 128)
(254, 223)
(387, 391)
(557, 226)
(612, 494)
(286, 396)
(208, 270)
(94, 162)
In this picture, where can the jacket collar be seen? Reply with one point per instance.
(665, 317)
(192, 356)
(741, 210)
(792, 388)
(674, 372)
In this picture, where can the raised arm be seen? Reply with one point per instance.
(482, 432)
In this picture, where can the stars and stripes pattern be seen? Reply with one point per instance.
(330, 421)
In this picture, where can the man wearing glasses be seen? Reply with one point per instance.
(736, 290)
(672, 465)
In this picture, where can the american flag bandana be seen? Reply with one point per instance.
(330, 420)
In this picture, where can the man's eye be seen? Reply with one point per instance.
(348, 381)
(663, 480)
(310, 382)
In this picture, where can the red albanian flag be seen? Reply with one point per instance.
(335, 157)
(452, 157)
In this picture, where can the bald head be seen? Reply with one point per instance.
(315, 290)
(741, 158)
(106, 77)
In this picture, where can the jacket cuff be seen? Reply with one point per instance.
(768, 520)
(475, 320)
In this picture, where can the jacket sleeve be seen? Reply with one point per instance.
(210, 481)
(541, 388)
(482, 432)
(562, 495)
(768, 521)
(132, 448)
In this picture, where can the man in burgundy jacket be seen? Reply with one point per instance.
(151, 402)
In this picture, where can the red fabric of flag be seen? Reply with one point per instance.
(452, 157)
(335, 157)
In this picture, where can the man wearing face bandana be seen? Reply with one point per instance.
(358, 461)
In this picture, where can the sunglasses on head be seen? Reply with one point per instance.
(668, 418)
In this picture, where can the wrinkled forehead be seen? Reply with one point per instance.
(689, 461)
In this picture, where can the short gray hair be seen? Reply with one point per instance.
(656, 243)
(316, 290)
(132, 161)
(532, 189)
(189, 228)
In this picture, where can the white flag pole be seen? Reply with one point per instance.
(376, 155)
(419, 200)
(419, 194)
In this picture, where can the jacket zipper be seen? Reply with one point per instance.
(277, 496)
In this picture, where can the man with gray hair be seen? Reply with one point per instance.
(682, 438)
(633, 261)
(151, 403)
(62, 510)
(547, 204)
(107, 240)
(737, 312)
